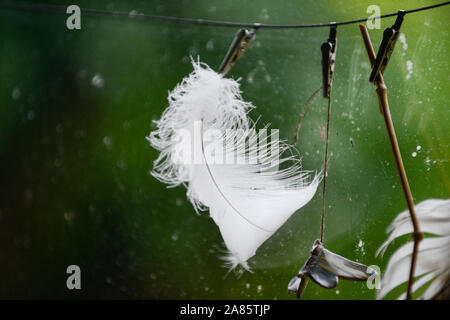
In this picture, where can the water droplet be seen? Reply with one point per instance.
(264, 15)
(30, 115)
(97, 81)
(107, 141)
(210, 45)
(402, 40)
(58, 163)
(121, 164)
(409, 68)
(16, 94)
(360, 243)
(59, 128)
(69, 216)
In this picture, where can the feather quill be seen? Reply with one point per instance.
(249, 198)
(433, 260)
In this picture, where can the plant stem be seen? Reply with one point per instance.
(303, 113)
(381, 90)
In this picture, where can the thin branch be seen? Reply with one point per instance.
(381, 90)
(303, 113)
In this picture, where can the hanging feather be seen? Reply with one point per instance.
(433, 260)
(250, 198)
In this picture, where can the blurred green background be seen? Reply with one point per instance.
(76, 106)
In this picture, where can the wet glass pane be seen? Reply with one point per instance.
(76, 106)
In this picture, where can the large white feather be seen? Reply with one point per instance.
(249, 199)
(433, 260)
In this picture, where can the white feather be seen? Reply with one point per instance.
(247, 205)
(433, 260)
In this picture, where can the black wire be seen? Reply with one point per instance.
(95, 12)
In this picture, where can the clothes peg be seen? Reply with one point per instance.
(239, 45)
(383, 103)
(390, 36)
(328, 60)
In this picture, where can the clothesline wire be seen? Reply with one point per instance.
(134, 15)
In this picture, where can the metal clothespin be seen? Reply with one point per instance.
(328, 60)
(240, 43)
(390, 36)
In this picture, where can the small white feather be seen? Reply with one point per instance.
(433, 260)
(247, 205)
